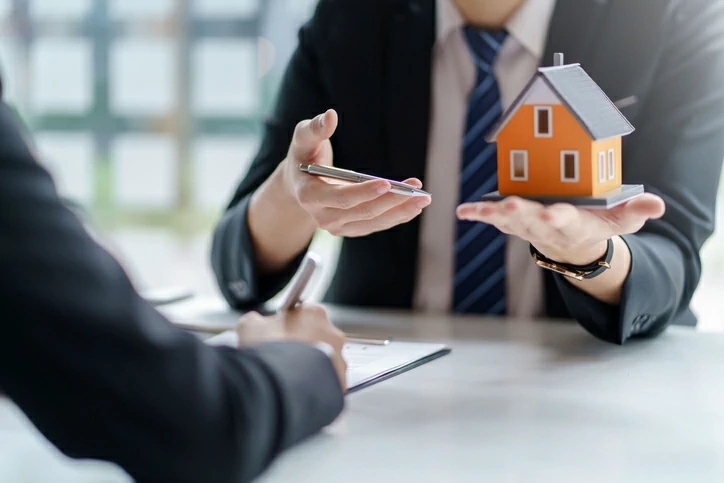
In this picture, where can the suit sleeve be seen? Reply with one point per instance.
(677, 153)
(302, 96)
(104, 376)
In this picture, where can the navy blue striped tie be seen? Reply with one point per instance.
(479, 286)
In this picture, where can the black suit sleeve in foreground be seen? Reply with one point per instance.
(105, 376)
(301, 97)
(676, 153)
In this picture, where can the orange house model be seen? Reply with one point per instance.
(561, 141)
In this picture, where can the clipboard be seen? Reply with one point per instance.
(389, 361)
(370, 364)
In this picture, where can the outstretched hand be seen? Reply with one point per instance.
(350, 210)
(563, 232)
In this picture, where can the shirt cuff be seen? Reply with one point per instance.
(324, 347)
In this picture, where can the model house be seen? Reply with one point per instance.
(561, 137)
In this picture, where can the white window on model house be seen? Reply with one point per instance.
(611, 164)
(519, 165)
(570, 169)
(602, 167)
(543, 122)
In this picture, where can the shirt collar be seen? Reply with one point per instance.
(449, 19)
(529, 25)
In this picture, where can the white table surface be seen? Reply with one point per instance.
(515, 401)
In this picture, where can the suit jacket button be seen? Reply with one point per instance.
(240, 289)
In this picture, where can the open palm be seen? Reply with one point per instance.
(562, 231)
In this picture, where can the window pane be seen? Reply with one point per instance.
(611, 167)
(225, 78)
(59, 10)
(226, 8)
(219, 164)
(141, 9)
(9, 67)
(62, 75)
(543, 121)
(519, 168)
(601, 167)
(519, 165)
(143, 76)
(570, 166)
(69, 157)
(155, 157)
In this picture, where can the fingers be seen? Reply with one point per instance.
(485, 212)
(647, 206)
(414, 182)
(249, 317)
(315, 192)
(561, 224)
(513, 216)
(404, 213)
(476, 211)
(556, 224)
(358, 209)
(314, 311)
(630, 217)
(309, 134)
(524, 218)
(563, 231)
(310, 323)
(382, 205)
(253, 328)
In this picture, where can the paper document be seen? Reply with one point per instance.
(370, 364)
(367, 364)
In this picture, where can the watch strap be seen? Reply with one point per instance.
(579, 272)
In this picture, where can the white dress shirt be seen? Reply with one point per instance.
(454, 77)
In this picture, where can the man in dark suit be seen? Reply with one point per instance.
(104, 376)
(416, 85)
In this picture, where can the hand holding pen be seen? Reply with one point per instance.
(345, 206)
(307, 324)
(294, 297)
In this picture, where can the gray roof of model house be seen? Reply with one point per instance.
(595, 112)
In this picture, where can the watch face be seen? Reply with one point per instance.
(559, 269)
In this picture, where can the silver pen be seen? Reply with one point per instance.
(293, 298)
(366, 340)
(355, 177)
(300, 281)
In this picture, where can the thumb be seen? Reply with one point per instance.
(648, 206)
(308, 135)
(249, 317)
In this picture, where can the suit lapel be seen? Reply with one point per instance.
(407, 86)
(573, 30)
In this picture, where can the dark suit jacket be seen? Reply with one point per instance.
(105, 376)
(372, 62)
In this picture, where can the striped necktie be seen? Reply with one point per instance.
(479, 285)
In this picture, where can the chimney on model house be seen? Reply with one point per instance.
(557, 60)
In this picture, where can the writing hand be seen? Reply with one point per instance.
(307, 324)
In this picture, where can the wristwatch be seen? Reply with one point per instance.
(579, 272)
